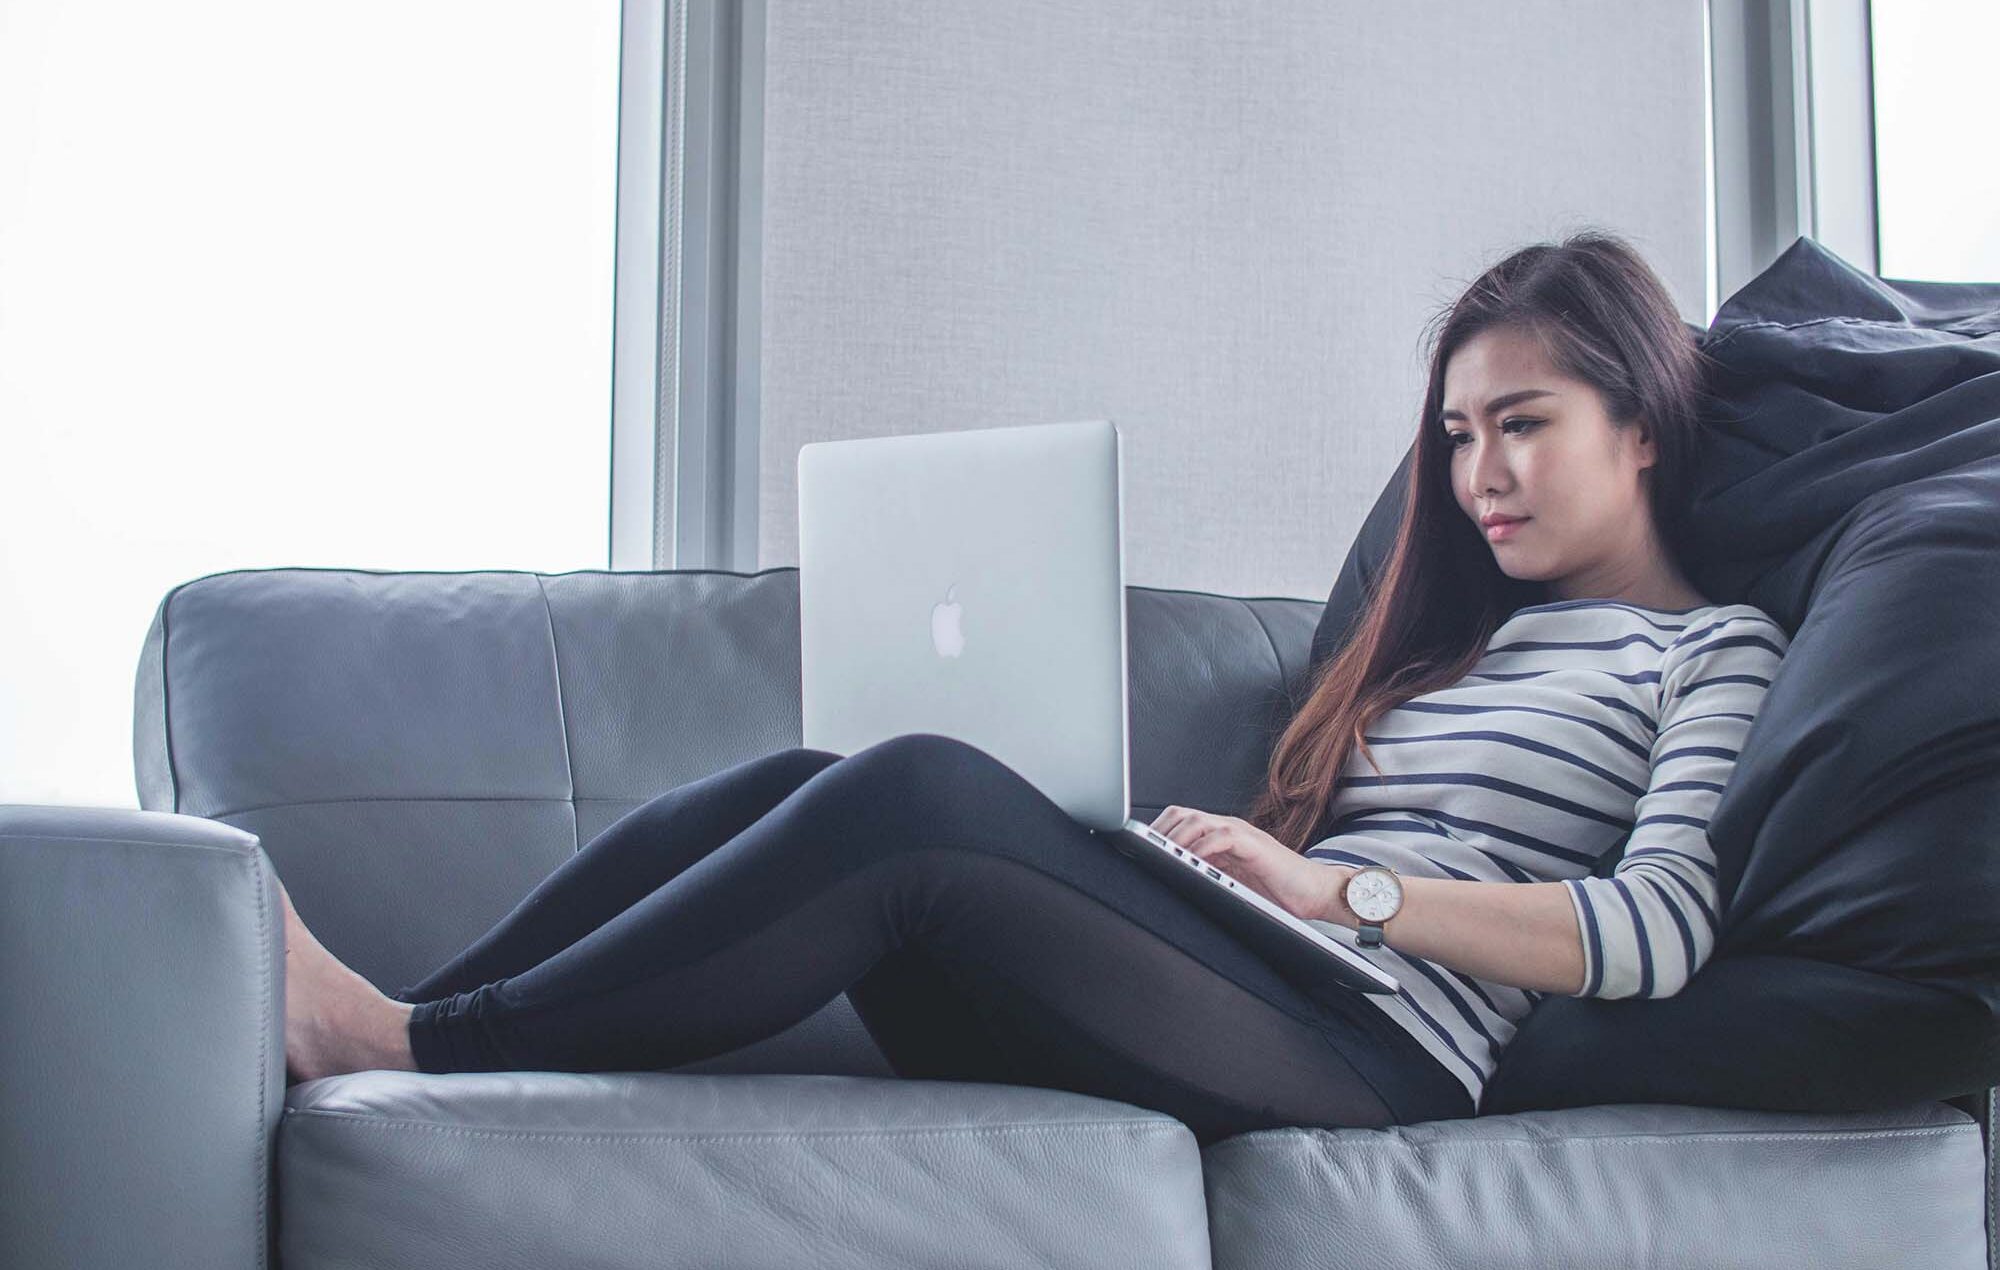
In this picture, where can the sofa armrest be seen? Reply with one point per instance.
(142, 1070)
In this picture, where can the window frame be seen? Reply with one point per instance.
(1793, 118)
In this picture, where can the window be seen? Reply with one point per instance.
(1937, 185)
(286, 285)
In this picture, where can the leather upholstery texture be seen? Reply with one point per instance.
(650, 1169)
(413, 750)
(1627, 1185)
(142, 1057)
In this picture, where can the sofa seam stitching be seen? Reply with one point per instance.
(1277, 660)
(629, 573)
(356, 571)
(263, 1058)
(167, 698)
(1993, 1251)
(562, 714)
(779, 1136)
(152, 844)
(1677, 1139)
(1803, 1135)
(424, 798)
(392, 798)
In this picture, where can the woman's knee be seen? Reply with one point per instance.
(924, 760)
(778, 774)
(925, 778)
(805, 761)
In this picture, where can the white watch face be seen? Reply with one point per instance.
(1374, 895)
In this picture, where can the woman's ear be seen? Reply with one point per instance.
(1642, 437)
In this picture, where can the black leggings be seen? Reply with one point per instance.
(980, 932)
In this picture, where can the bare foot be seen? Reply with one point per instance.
(335, 1020)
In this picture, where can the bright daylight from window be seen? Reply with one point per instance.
(1936, 179)
(286, 285)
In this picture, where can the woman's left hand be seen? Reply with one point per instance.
(1301, 886)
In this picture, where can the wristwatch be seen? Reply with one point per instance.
(1374, 894)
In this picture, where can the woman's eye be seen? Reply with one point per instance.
(1452, 438)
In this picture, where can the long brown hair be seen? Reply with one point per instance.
(1601, 315)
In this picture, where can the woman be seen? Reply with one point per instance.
(1536, 691)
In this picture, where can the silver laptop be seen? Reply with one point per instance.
(972, 584)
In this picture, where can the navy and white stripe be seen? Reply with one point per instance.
(1583, 721)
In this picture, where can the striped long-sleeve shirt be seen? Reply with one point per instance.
(1585, 719)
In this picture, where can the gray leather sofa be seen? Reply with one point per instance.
(412, 751)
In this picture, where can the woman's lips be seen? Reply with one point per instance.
(1505, 529)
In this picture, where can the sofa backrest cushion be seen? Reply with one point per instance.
(417, 750)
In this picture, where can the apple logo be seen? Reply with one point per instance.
(946, 635)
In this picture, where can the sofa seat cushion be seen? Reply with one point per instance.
(1639, 1184)
(553, 1169)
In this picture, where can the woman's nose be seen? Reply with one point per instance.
(1487, 471)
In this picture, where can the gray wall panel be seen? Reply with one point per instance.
(1222, 225)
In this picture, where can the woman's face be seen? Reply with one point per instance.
(1528, 441)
